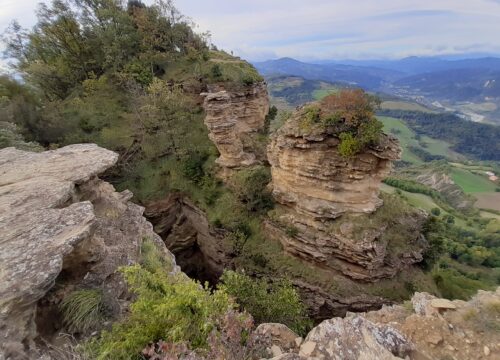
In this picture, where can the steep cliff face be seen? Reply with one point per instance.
(61, 226)
(327, 202)
(234, 114)
(200, 250)
(310, 176)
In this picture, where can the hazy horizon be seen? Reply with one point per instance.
(332, 30)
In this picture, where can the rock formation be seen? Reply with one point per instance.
(310, 176)
(233, 116)
(200, 249)
(324, 201)
(427, 328)
(60, 225)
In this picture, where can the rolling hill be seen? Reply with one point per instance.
(470, 87)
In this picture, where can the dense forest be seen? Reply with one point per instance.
(479, 141)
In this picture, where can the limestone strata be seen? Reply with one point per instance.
(325, 200)
(233, 115)
(310, 176)
(57, 217)
(432, 329)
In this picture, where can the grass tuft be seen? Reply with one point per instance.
(83, 310)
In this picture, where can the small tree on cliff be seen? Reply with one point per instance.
(352, 112)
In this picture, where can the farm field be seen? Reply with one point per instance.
(488, 201)
(407, 138)
(321, 93)
(404, 105)
(421, 201)
(472, 183)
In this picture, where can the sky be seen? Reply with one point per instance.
(332, 29)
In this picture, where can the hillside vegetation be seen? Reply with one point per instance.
(127, 78)
(478, 141)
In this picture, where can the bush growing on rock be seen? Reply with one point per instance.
(167, 307)
(250, 187)
(276, 302)
(350, 114)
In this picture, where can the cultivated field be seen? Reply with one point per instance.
(488, 201)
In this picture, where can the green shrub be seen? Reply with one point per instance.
(192, 166)
(216, 71)
(435, 211)
(332, 119)
(248, 80)
(250, 187)
(311, 117)
(369, 132)
(275, 302)
(139, 72)
(454, 285)
(151, 259)
(83, 310)
(171, 308)
(349, 145)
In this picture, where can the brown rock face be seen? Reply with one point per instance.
(232, 116)
(310, 176)
(199, 249)
(326, 202)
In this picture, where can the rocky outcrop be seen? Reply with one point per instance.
(312, 178)
(233, 116)
(61, 225)
(200, 250)
(427, 328)
(327, 203)
(322, 305)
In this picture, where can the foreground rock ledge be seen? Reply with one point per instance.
(55, 215)
(427, 328)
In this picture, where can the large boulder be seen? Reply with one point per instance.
(60, 225)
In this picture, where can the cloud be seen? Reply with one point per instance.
(323, 29)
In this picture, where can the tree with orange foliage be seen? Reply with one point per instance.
(352, 107)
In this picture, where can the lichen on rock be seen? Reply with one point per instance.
(61, 225)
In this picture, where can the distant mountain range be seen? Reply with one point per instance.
(471, 86)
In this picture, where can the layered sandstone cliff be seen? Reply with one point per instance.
(234, 114)
(310, 176)
(61, 225)
(327, 202)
